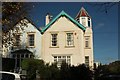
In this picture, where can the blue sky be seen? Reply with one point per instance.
(105, 25)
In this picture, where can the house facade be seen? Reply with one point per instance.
(69, 40)
(27, 37)
(62, 39)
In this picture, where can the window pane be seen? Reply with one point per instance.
(69, 39)
(68, 56)
(54, 39)
(31, 39)
(83, 21)
(17, 40)
(87, 42)
(89, 22)
(87, 60)
(60, 59)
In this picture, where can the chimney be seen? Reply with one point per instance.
(48, 18)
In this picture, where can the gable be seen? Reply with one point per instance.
(29, 23)
(67, 16)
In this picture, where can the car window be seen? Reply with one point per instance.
(7, 76)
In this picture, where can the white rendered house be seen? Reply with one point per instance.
(67, 39)
(62, 39)
(26, 38)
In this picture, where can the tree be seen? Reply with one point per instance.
(104, 70)
(31, 66)
(114, 67)
(45, 71)
(13, 13)
(79, 72)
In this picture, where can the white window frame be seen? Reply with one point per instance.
(17, 41)
(60, 58)
(87, 59)
(29, 39)
(83, 21)
(87, 41)
(70, 42)
(51, 41)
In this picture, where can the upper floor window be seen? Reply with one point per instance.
(17, 40)
(87, 61)
(87, 42)
(31, 40)
(88, 22)
(70, 39)
(54, 41)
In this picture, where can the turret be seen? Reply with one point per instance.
(84, 18)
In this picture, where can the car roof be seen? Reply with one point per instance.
(15, 74)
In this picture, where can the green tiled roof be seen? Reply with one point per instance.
(66, 15)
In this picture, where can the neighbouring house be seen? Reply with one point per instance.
(62, 39)
(26, 37)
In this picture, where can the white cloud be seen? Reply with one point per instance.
(99, 25)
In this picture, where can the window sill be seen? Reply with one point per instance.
(87, 48)
(54, 47)
(30, 46)
(69, 46)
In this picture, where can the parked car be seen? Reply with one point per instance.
(12, 76)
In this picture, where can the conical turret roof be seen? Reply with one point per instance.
(82, 13)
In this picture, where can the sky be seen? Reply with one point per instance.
(105, 25)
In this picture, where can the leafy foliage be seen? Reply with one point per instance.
(103, 70)
(31, 65)
(52, 72)
(12, 12)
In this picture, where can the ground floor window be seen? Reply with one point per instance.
(87, 61)
(60, 59)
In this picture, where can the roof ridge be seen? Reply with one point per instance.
(63, 13)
